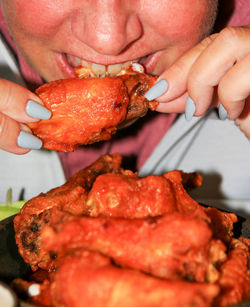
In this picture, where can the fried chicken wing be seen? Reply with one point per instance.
(129, 196)
(235, 275)
(105, 284)
(89, 110)
(122, 287)
(149, 245)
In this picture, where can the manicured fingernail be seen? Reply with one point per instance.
(27, 140)
(190, 109)
(156, 90)
(222, 112)
(36, 110)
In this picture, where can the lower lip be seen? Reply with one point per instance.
(151, 61)
(64, 66)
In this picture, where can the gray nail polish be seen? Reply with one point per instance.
(36, 110)
(156, 90)
(222, 112)
(27, 140)
(190, 109)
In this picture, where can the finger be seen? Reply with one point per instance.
(14, 136)
(215, 61)
(176, 105)
(177, 74)
(234, 88)
(20, 104)
(243, 122)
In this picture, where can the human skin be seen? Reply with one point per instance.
(110, 32)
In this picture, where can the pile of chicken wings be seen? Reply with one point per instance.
(108, 237)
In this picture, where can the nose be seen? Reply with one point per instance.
(107, 26)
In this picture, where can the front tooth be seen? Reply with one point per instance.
(77, 61)
(84, 63)
(98, 69)
(114, 69)
(127, 64)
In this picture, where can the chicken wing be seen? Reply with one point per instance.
(235, 275)
(108, 285)
(89, 110)
(90, 279)
(148, 244)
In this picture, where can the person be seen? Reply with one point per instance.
(203, 119)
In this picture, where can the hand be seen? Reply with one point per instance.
(17, 107)
(216, 72)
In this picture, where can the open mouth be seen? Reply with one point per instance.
(85, 69)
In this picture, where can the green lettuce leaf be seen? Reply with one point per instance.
(10, 208)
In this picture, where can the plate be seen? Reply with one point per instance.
(12, 265)
(7, 296)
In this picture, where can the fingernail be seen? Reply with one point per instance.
(190, 109)
(27, 140)
(36, 110)
(222, 112)
(156, 90)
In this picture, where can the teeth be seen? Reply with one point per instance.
(137, 67)
(127, 64)
(114, 69)
(77, 61)
(98, 70)
(84, 63)
(85, 68)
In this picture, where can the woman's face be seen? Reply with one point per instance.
(56, 35)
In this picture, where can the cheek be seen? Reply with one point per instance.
(179, 19)
(38, 18)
